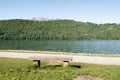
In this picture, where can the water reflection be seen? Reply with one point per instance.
(83, 46)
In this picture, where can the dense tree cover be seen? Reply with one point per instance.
(56, 30)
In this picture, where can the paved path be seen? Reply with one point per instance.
(84, 59)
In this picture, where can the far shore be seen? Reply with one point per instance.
(82, 57)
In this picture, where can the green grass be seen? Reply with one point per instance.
(22, 69)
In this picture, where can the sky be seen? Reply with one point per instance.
(96, 11)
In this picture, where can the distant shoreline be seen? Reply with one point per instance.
(64, 53)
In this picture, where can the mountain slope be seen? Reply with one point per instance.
(56, 30)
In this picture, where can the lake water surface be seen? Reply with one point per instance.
(82, 46)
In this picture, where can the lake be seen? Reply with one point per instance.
(82, 46)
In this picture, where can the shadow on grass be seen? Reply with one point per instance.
(51, 67)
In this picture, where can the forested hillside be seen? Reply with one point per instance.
(56, 30)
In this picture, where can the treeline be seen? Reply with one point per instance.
(56, 30)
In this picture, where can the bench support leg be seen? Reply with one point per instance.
(37, 62)
(65, 63)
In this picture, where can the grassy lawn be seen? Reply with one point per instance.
(22, 69)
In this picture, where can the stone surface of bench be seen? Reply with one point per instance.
(64, 59)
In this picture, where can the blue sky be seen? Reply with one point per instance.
(97, 11)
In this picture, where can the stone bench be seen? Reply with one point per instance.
(64, 59)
